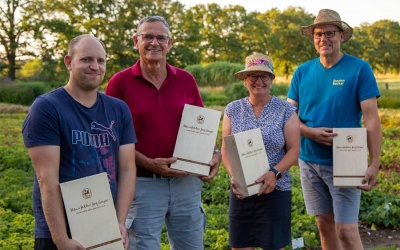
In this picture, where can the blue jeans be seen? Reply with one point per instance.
(321, 197)
(177, 201)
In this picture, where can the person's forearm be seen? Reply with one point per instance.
(225, 160)
(142, 160)
(126, 181)
(288, 160)
(126, 191)
(53, 209)
(304, 130)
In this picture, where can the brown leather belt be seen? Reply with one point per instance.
(142, 172)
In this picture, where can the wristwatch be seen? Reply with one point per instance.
(217, 151)
(278, 174)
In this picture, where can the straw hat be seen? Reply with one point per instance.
(327, 16)
(256, 62)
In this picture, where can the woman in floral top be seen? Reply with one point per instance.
(263, 220)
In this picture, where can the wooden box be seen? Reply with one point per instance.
(91, 213)
(248, 159)
(350, 157)
(196, 139)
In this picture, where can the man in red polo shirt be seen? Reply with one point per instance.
(156, 93)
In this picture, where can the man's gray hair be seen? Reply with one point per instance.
(150, 19)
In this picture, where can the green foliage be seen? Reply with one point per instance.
(389, 99)
(31, 70)
(216, 239)
(197, 71)
(390, 118)
(390, 156)
(380, 208)
(13, 195)
(204, 95)
(11, 125)
(21, 93)
(16, 230)
(216, 235)
(280, 90)
(15, 157)
(217, 191)
(215, 74)
(13, 154)
(235, 91)
(202, 34)
(217, 100)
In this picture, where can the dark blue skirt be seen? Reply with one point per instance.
(260, 221)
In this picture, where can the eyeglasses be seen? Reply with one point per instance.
(328, 34)
(149, 38)
(264, 78)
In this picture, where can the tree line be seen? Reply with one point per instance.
(202, 34)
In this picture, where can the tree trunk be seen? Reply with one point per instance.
(11, 65)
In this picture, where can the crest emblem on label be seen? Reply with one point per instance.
(86, 193)
(250, 142)
(200, 119)
(349, 138)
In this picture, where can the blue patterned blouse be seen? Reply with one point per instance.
(273, 117)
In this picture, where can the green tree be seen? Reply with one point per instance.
(382, 51)
(31, 70)
(287, 47)
(253, 36)
(14, 31)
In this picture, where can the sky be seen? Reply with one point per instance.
(354, 12)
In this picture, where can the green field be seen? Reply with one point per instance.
(380, 208)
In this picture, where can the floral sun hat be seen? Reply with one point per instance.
(256, 62)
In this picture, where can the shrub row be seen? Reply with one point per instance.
(21, 93)
(214, 74)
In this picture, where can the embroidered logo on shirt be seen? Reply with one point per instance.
(338, 82)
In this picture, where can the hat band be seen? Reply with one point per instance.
(260, 62)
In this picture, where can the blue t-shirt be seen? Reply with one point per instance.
(271, 122)
(330, 98)
(89, 139)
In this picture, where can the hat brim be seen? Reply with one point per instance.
(244, 73)
(347, 30)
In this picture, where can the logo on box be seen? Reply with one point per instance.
(86, 193)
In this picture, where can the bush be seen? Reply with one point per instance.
(21, 93)
(236, 91)
(217, 100)
(197, 71)
(280, 90)
(214, 74)
(204, 95)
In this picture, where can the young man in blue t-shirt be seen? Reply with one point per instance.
(74, 132)
(334, 91)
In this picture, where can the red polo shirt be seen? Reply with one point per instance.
(156, 113)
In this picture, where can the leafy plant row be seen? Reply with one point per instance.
(380, 207)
